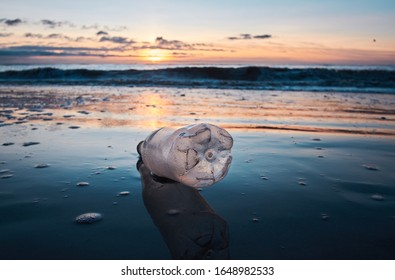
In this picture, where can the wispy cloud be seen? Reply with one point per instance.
(5, 34)
(50, 36)
(11, 22)
(53, 23)
(57, 36)
(60, 42)
(171, 44)
(117, 40)
(49, 23)
(102, 33)
(33, 35)
(246, 36)
(93, 26)
(34, 50)
(177, 45)
(182, 54)
(115, 28)
(264, 36)
(106, 28)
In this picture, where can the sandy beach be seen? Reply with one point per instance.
(312, 173)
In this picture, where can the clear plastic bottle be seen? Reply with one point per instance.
(196, 155)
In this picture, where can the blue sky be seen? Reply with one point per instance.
(348, 32)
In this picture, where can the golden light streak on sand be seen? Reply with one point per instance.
(152, 108)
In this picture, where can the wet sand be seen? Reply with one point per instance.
(352, 113)
(312, 173)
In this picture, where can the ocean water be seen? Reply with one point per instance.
(322, 78)
(156, 66)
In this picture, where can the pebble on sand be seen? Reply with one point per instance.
(324, 217)
(8, 144)
(124, 193)
(42, 165)
(88, 218)
(377, 197)
(371, 167)
(83, 112)
(3, 171)
(26, 144)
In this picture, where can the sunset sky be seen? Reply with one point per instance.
(203, 31)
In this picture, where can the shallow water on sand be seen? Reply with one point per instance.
(288, 195)
(152, 108)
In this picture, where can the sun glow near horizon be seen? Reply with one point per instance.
(155, 56)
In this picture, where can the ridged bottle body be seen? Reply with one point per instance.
(196, 155)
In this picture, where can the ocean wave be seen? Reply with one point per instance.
(268, 78)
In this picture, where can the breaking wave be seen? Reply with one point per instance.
(267, 78)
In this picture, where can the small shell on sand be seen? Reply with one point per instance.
(255, 220)
(124, 193)
(324, 217)
(42, 165)
(88, 218)
(82, 184)
(8, 143)
(377, 197)
(371, 167)
(26, 144)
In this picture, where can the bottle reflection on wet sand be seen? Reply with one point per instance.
(189, 226)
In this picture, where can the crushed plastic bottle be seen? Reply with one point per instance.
(197, 155)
